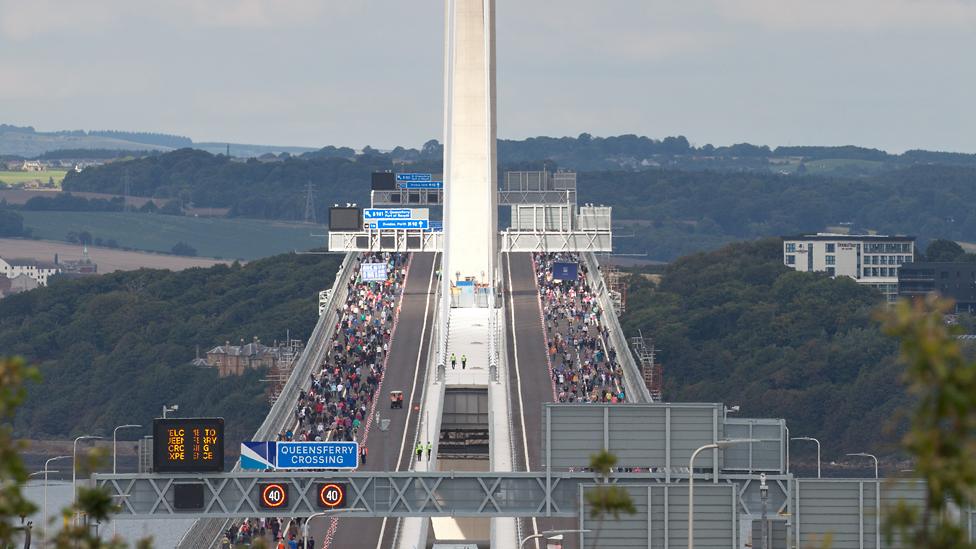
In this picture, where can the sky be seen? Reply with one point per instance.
(891, 74)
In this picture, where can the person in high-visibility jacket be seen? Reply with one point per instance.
(420, 451)
(429, 448)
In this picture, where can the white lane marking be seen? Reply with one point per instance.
(416, 371)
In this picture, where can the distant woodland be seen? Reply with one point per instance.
(113, 349)
(662, 212)
(736, 326)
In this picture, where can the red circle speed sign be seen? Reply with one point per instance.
(274, 496)
(332, 495)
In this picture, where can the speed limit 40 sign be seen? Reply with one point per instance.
(274, 495)
(331, 495)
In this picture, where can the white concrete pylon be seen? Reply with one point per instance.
(470, 154)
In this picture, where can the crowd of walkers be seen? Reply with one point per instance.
(284, 534)
(584, 367)
(342, 388)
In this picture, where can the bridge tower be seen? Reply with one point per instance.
(470, 154)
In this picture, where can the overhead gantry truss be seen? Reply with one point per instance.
(387, 240)
(404, 494)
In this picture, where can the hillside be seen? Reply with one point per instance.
(114, 349)
(25, 141)
(736, 326)
(669, 212)
(244, 239)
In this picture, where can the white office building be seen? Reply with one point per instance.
(38, 270)
(869, 259)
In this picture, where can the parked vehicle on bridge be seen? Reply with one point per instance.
(396, 400)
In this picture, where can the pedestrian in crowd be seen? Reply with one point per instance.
(341, 391)
(464, 361)
(584, 368)
(362, 455)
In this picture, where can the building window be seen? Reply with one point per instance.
(831, 272)
(831, 248)
(791, 260)
(867, 271)
(893, 271)
(790, 247)
(831, 260)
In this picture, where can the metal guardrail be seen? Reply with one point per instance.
(281, 411)
(633, 380)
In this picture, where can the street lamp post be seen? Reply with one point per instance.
(872, 456)
(551, 534)
(114, 441)
(324, 514)
(167, 409)
(691, 480)
(44, 508)
(74, 467)
(811, 439)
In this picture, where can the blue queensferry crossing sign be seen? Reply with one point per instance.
(317, 455)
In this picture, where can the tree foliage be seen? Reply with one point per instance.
(94, 503)
(942, 438)
(736, 326)
(114, 348)
(12, 223)
(606, 500)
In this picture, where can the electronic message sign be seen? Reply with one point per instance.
(345, 219)
(188, 445)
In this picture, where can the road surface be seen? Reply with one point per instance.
(406, 371)
(529, 377)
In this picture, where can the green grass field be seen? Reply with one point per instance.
(13, 178)
(212, 237)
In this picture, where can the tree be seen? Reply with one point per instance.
(944, 250)
(13, 475)
(942, 438)
(85, 237)
(606, 499)
(11, 223)
(182, 248)
(95, 504)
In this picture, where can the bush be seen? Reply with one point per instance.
(182, 248)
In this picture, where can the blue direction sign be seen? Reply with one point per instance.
(414, 177)
(422, 185)
(317, 455)
(372, 214)
(402, 224)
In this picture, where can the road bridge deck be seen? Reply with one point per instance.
(529, 371)
(406, 370)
